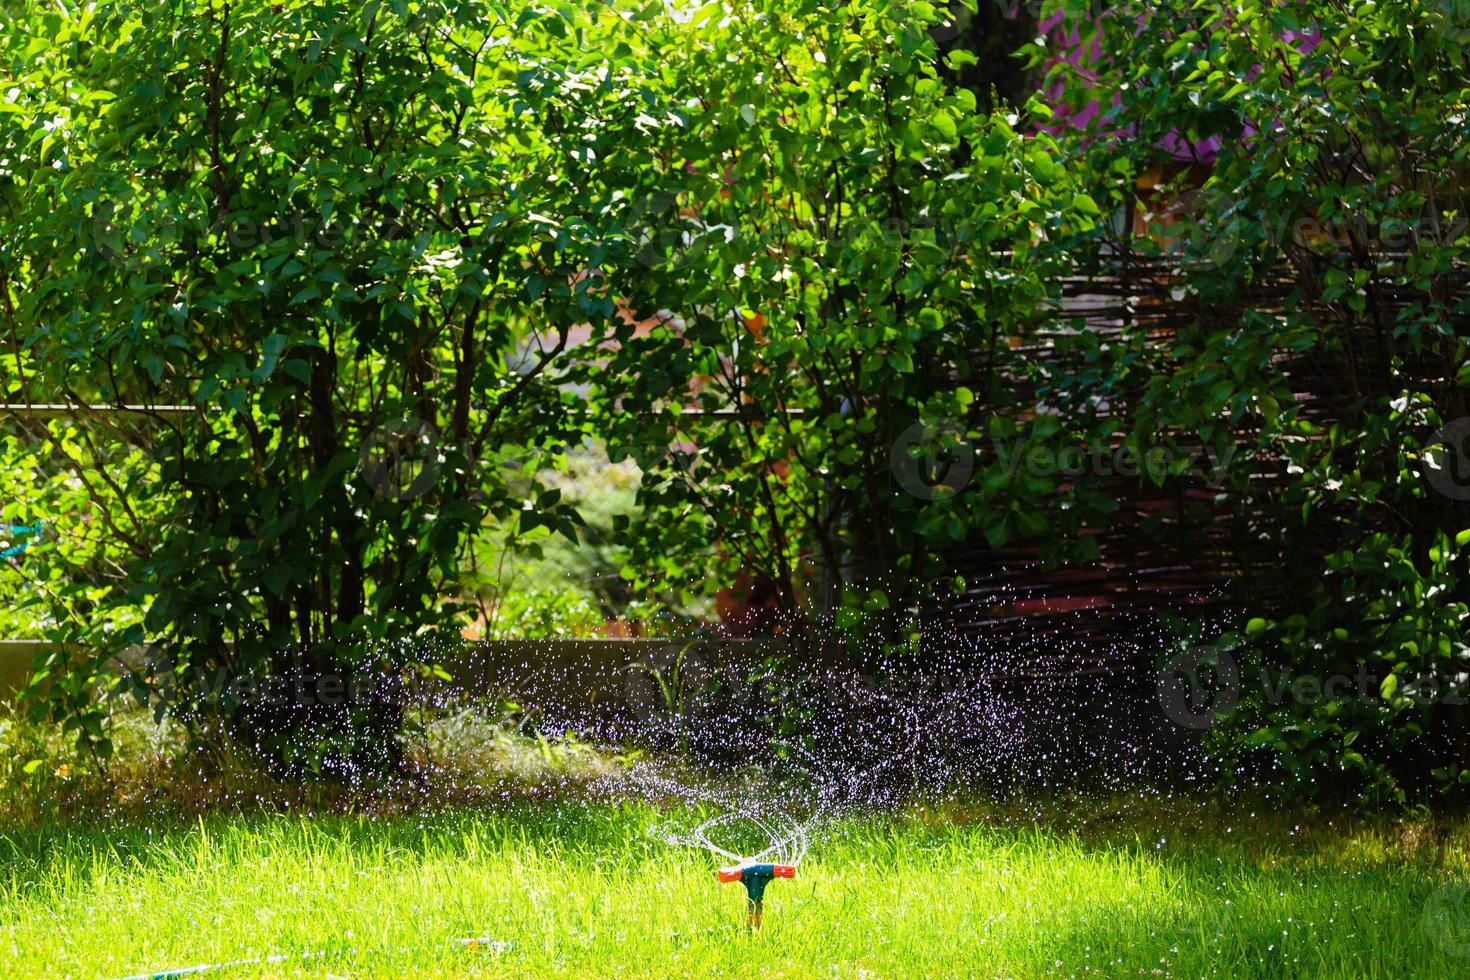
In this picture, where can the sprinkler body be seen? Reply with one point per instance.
(755, 877)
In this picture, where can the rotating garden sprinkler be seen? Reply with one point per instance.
(787, 842)
(755, 877)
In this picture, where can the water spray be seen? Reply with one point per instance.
(788, 843)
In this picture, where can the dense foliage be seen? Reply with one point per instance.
(797, 261)
(325, 229)
(1312, 173)
(848, 261)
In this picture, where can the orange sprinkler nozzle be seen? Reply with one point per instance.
(755, 877)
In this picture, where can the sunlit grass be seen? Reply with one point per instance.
(585, 889)
(166, 859)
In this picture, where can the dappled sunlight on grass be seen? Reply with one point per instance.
(467, 755)
(175, 855)
(577, 888)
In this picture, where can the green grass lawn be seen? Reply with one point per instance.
(583, 889)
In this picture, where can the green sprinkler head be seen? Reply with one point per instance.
(755, 877)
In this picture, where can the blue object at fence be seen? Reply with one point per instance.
(475, 944)
(29, 534)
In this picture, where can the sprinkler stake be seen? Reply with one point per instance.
(755, 877)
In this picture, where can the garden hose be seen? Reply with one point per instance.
(31, 531)
(475, 944)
